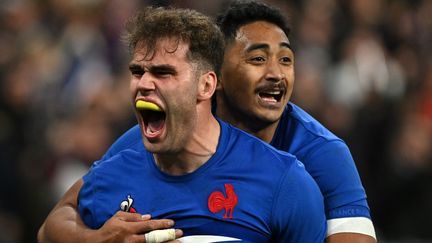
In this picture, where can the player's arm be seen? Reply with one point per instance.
(350, 229)
(350, 237)
(64, 224)
(348, 216)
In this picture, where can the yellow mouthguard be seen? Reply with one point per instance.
(144, 105)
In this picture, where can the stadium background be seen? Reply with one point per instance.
(363, 68)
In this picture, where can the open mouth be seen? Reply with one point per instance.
(272, 96)
(153, 119)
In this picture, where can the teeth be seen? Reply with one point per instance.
(273, 92)
(277, 92)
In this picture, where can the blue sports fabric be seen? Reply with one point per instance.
(247, 190)
(325, 156)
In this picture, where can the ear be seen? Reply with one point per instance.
(207, 85)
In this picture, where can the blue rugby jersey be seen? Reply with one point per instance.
(325, 156)
(247, 191)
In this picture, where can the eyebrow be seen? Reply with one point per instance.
(286, 44)
(266, 46)
(166, 68)
(135, 67)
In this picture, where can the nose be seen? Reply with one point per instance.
(146, 82)
(274, 72)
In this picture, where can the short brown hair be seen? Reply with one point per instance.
(206, 43)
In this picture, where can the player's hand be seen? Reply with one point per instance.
(126, 227)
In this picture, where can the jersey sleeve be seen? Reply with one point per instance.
(99, 194)
(334, 170)
(298, 210)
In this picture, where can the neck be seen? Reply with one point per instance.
(264, 132)
(200, 147)
(261, 129)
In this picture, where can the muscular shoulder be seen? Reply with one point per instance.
(327, 158)
(131, 139)
(299, 133)
(124, 162)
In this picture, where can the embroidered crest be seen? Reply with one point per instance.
(217, 201)
(126, 205)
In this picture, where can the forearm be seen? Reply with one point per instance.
(350, 237)
(64, 225)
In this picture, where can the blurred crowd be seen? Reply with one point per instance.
(363, 68)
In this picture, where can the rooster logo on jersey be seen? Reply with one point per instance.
(126, 205)
(217, 201)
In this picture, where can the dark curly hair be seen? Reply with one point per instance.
(206, 43)
(241, 12)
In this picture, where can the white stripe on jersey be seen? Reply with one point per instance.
(205, 239)
(360, 225)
